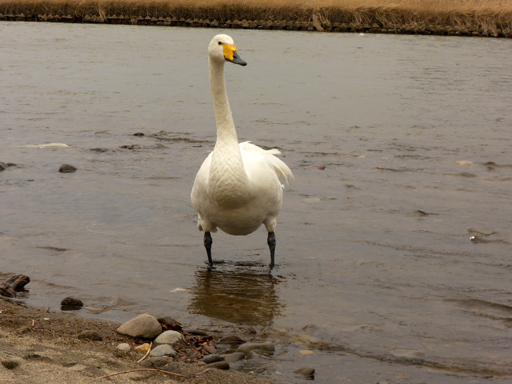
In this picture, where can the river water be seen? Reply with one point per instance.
(393, 261)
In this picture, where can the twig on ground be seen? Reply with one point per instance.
(141, 370)
(147, 353)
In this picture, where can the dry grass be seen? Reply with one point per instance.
(491, 16)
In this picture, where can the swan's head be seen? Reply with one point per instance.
(222, 48)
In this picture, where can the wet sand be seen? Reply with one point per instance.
(37, 346)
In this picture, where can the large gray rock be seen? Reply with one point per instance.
(169, 337)
(145, 326)
(266, 347)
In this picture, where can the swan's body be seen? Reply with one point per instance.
(237, 188)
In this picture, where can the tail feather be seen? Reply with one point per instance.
(282, 170)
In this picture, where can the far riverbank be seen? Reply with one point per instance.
(483, 18)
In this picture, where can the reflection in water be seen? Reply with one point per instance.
(239, 295)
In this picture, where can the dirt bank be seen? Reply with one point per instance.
(42, 347)
(459, 17)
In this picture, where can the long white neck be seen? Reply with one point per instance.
(228, 183)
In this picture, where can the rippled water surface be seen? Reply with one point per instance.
(393, 262)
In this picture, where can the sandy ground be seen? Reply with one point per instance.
(42, 347)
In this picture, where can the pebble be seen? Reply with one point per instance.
(232, 340)
(125, 347)
(90, 335)
(2, 166)
(307, 372)
(10, 364)
(213, 358)
(156, 362)
(145, 326)
(219, 365)
(234, 357)
(67, 168)
(169, 337)
(71, 303)
(265, 347)
(93, 310)
(163, 350)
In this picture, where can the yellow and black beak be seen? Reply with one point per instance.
(230, 54)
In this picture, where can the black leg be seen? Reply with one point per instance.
(208, 245)
(271, 241)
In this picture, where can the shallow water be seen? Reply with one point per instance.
(377, 271)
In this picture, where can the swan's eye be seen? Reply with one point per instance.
(220, 43)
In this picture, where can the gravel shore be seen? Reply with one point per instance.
(43, 347)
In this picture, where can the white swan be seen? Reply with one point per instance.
(237, 187)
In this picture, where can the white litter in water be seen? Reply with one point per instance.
(61, 145)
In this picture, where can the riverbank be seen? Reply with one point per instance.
(45, 347)
(485, 18)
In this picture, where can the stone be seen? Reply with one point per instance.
(125, 347)
(232, 340)
(163, 350)
(71, 303)
(307, 372)
(156, 362)
(265, 348)
(67, 168)
(196, 332)
(213, 358)
(10, 364)
(145, 326)
(90, 335)
(2, 166)
(234, 357)
(169, 337)
(224, 365)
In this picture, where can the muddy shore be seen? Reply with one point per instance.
(394, 20)
(43, 347)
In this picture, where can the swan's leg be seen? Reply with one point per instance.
(271, 241)
(208, 245)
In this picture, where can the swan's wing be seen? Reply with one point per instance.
(279, 166)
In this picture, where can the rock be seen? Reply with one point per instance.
(145, 326)
(125, 347)
(138, 134)
(156, 362)
(307, 372)
(232, 340)
(93, 310)
(169, 337)
(265, 347)
(71, 303)
(90, 335)
(66, 168)
(2, 166)
(219, 365)
(163, 350)
(234, 357)
(10, 364)
(196, 332)
(213, 358)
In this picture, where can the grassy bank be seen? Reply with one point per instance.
(448, 17)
